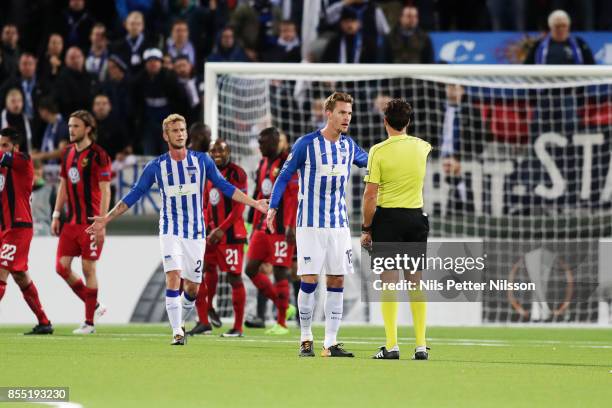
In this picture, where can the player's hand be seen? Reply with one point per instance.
(270, 220)
(261, 206)
(100, 236)
(290, 235)
(55, 226)
(215, 236)
(98, 225)
(366, 240)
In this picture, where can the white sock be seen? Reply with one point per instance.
(188, 304)
(173, 308)
(420, 348)
(333, 315)
(306, 303)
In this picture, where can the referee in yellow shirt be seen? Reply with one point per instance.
(393, 212)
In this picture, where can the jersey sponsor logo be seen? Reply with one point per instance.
(73, 175)
(266, 187)
(333, 170)
(2, 182)
(214, 196)
(181, 190)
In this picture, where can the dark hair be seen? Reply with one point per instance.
(199, 138)
(179, 21)
(271, 132)
(397, 113)
(27, 54)
(49, 104)
(11, 134)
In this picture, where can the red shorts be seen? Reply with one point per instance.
(15, 248)
(270, 248)
(228, 257)
(74, 241)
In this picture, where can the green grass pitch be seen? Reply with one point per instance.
(134, 366)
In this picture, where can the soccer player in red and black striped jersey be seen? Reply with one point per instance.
(277, 248)
(225, 242)
(16, 179)
(85, 185)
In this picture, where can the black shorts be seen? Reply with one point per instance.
(400, 225)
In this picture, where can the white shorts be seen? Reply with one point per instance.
(185, 255)
(326, 250)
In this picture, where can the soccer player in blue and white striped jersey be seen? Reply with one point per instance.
(181, 175)
(323, 161)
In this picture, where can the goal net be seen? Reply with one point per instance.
(521, 160)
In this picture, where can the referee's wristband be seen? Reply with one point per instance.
(365, 229)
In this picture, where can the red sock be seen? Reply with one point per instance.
(30, 294)
(282, 290)
(238, 301)
(263, 283)
(2, 288)
(212, 278)
(91, 300)
(80, 290)
(202, 304)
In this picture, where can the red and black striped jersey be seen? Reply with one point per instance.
(16, 179)
(223, 212)
(82, 172)
(267, 172)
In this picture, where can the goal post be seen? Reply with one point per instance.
(522, 155)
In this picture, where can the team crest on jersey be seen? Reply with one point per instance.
(276, 171)
(2, 182)
(266, 187)
(191, 170)
(73, 175)
(343, 151)
(214, 196)
(85, 162)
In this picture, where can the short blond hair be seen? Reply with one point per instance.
(330, 102)
(175, 117)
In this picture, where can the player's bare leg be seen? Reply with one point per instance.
(174, 307)
(333, 317)
(306, 304)
(238, 302)
(30, 295)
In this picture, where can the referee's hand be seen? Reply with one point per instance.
(366, 240)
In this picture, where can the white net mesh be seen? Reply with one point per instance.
(521, 158)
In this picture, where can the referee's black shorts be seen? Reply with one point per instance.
(400, 225)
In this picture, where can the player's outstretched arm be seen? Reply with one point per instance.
(360, 159)
(144, 183)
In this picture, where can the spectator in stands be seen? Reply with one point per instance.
(43, 201)
(55, 136)
(370, 16)
(10, 48)
(73, 87)
(154, 12)
(130, 48)
(409, 44)
(156, 93)
(13, 116)
(559, 46)
(254, 26)
(117, 87)
(199, 137)
(26, 80)
(51, 62)
(179, 44)
(227, 50)
(317, 113)
(74, 24)
(112, 133)
(191, 84)
(288, 47)
(350, 45)
(204, 22)
(97, 57)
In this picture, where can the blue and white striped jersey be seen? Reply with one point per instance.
(181, 184)
(323, 169)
